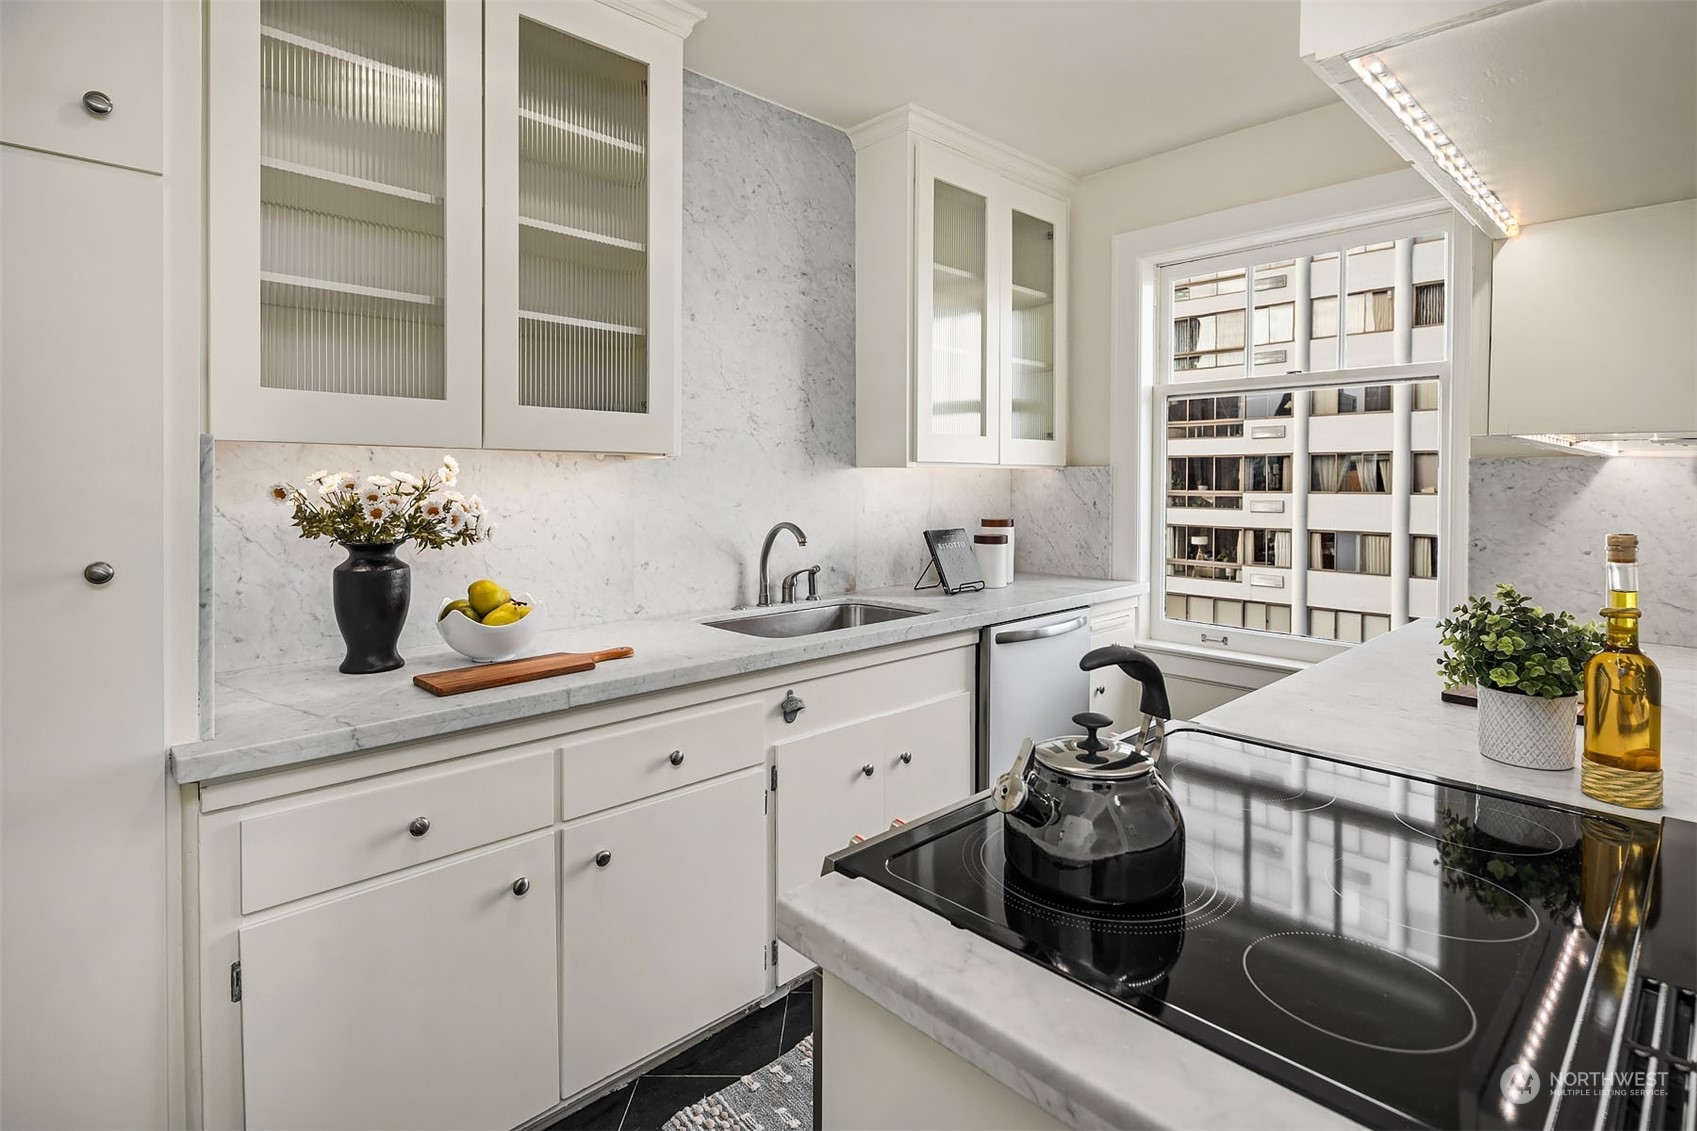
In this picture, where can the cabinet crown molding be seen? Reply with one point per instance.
(674, 16)
(999, 156)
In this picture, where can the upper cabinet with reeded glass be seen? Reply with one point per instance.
(960, 249)
(436, 222)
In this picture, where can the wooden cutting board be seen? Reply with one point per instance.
(455, 681)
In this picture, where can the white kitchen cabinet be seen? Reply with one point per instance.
(583, 144)
(928, 750)
(1112, 693)
(83, 864)
(662, 922)
(1592, 321)
(427, 1001)
(960, 340)
(85, 79)
(405, 255)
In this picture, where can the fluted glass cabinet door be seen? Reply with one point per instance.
(582, 120)
(957, 411)
(344, 203)
(1034, 338)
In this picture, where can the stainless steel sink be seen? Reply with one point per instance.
(807, 620)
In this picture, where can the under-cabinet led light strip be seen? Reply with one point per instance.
(1445, 152)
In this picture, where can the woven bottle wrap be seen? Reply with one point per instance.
(1623, 547)
(1635, 789)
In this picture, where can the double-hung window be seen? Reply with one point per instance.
(1300, 392)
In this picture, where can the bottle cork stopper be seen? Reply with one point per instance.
(1623, 547)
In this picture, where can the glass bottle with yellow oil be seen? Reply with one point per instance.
(1623, 697)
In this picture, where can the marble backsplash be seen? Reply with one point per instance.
(1539, 524)
(768, 435)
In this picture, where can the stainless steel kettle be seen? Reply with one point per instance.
(1089, 818)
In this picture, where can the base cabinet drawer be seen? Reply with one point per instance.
(425, 1002)
(613, 765)
(662, 923)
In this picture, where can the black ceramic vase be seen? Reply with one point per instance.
(371, 592)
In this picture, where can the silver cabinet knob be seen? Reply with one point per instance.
(98, 573)
(867, 769)
(907, 757)
(521, 886)
(676, 757)
(419, 826)
(97, 103)
(603, 858)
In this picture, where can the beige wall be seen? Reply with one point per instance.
(1306, 151)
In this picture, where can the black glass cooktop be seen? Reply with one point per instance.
(1389, 946)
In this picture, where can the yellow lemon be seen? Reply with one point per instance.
(457, 607)
(507, 614)
(486, 596)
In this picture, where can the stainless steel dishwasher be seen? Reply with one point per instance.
(1029, 685)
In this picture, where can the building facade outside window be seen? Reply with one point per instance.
(1303, 445)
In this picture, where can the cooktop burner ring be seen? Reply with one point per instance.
(1531, 912)
(1455, 997)
(1202, 903)
(1436, 836)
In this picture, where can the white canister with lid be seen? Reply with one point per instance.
(994, 526)
(995, 558)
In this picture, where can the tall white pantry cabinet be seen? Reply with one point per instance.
(447, 224)
(84, 891)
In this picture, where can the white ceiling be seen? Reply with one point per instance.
(1081, 84)
(1567, 107)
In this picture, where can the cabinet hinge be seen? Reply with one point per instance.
(774, 786)
(774, 952)
(235, 981)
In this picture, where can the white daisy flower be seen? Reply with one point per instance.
(458, 507)
(281, 493)
(407, 482)
(318, 476)
(380, 481)
(454, 497)
(393, 504)
(371, 494)
(451, 464)
(344, 481)
(474, 505)
(376, 514)
(485, 531)
(434, 510)
(447, 478)
(456, 521)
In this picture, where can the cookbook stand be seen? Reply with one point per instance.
(955, 563)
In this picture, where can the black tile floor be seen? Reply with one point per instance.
(700, 1070)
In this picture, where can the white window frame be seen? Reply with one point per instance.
(1141, 312)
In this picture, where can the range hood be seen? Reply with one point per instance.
(1556, 108)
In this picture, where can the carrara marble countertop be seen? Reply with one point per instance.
(1092, 1063)
(268, 718)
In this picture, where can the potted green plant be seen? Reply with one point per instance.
(1529, 666)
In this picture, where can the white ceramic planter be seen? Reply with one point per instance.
(1527, 730)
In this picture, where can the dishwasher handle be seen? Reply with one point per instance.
(1020, 635)
(1139, 667)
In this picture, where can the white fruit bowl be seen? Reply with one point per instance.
(487, 643)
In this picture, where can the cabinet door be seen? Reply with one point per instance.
(55, 57)
(82, 791)
(344, 209)
(929, 753)
(662, 923)
(959, 249)
(429, 1001)
(583, 124)
(1033, 306)
(830, 790)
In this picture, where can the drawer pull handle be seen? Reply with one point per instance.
(867, 769)
(603, 858)
(676, 757)
(97, 103)
(98, 573)
(907, 757)
(419, 826)
(521, 886)
(791, 706)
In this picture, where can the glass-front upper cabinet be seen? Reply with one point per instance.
(344, 195)
(974, 370)
(583, 229)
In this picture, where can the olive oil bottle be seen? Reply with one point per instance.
(1623, 697)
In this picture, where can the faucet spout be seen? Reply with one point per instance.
(766, 555)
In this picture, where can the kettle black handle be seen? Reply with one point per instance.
(1139, 667)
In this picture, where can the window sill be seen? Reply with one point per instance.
(1247, 671)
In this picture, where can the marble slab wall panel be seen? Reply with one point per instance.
(1540, 523)
(1064, 519)
(768, 435)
